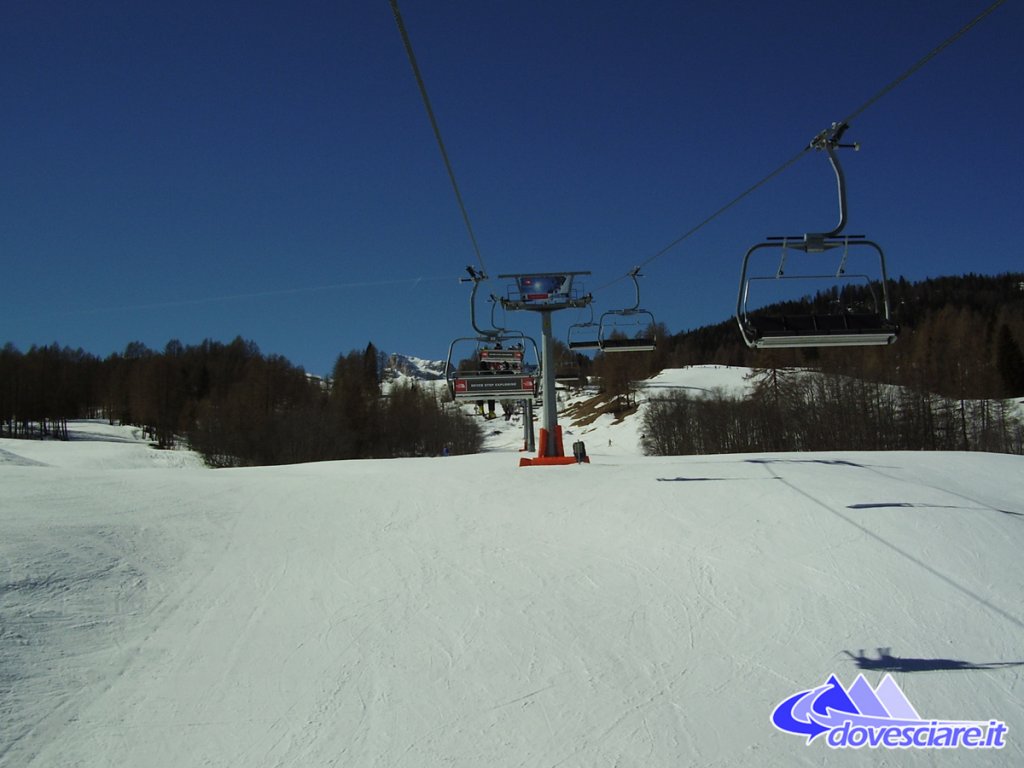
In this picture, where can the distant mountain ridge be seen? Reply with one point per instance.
(408, 366)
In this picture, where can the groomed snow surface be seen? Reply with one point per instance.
(467, 612)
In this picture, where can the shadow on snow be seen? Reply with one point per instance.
(886, 662)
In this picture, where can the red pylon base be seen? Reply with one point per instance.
(558, 459)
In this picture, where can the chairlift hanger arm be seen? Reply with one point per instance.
(828, 140)
(477, 277)
(634, 274)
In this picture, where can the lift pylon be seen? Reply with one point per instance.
(547, 292)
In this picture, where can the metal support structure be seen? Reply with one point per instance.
(546, 293)
(476, 278)
(549, 415)
(828, 140)
(528, 433)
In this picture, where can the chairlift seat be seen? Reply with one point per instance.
(627, 345)
(801, 324)
(844, 330)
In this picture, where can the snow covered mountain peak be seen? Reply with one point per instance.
(407, 366)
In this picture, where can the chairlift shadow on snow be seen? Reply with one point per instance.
(676, 387)
(901, 504)
(14, 459)
(705, 479)
(830, 462)
(886, 662)
(921, 505)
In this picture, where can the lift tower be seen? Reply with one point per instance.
(546, 292)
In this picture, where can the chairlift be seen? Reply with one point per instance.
(570, 374)
(615, 325)
(568, 369)
(842, 325)
(502, 372)
(584, 336)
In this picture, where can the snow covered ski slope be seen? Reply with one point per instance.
(465, 612)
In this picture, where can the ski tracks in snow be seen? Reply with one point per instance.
(462, 612)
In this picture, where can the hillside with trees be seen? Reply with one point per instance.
(960, 337)
(943, 385)
(230, 402)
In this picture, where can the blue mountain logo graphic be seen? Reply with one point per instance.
(862, 716)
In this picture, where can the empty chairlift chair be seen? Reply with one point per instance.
(584, 336)
(858, 315)
(627, 330)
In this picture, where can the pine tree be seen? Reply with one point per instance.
(1010, 363)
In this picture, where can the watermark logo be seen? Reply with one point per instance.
(862, 716)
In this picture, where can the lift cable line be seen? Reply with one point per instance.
(924, 60)
(97, 309)
(846, 121)
(437, 131)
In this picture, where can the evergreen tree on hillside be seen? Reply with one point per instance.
(776, 395)
(1010, 363)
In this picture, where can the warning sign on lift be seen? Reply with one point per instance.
(494, 385)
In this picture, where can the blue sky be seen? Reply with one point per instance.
(266, 169)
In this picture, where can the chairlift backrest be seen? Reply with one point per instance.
(621, 344)
(582, 344)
